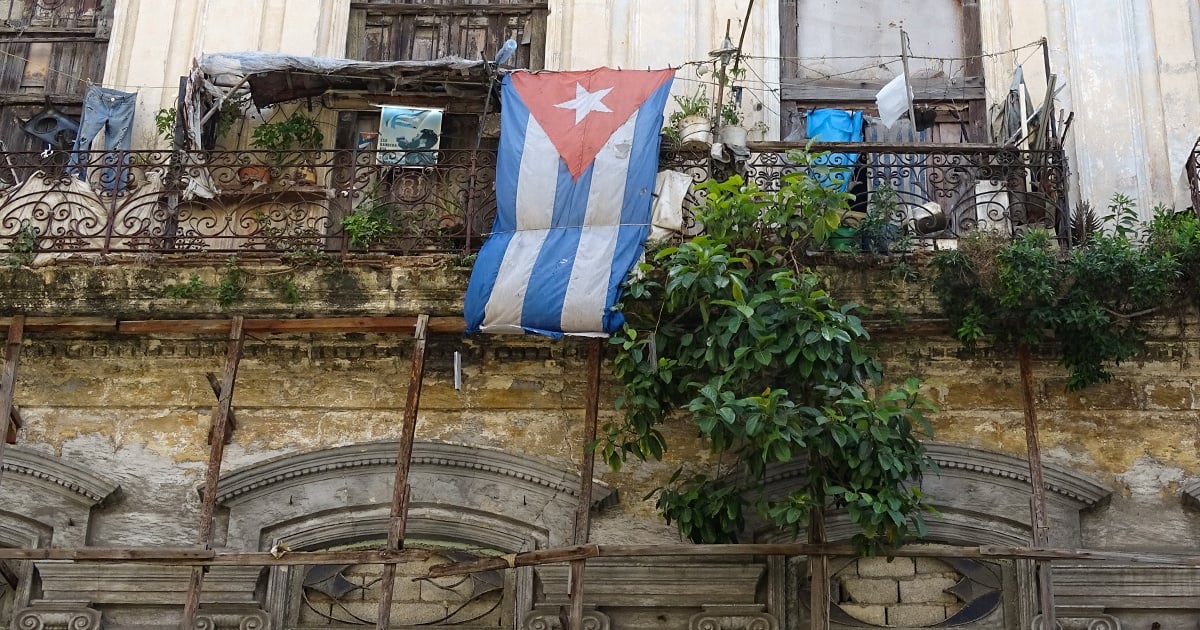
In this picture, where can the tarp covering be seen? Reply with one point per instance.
(241, 64)
(575, 178)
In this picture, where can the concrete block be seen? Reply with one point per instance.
(906, 615)
(927, 590)
(868, 591)
(933, 566)
(874, 615)
(880, 567)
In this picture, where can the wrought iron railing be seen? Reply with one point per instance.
(931, 193)
(247, 201)
(239, 202)
(1193, 175)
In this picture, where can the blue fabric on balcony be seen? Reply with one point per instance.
(836, 125)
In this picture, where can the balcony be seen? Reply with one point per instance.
(252, 202)
(933, 193)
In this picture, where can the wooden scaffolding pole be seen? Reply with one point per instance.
(583, 513)
(8, 378)
(208, 502)
(1040, 525)
(401, 493)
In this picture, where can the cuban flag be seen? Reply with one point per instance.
(574, 178)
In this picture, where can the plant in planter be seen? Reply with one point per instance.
(692, 120)
(733, 132)
(876, 231)
(283, 139)
(369, 224)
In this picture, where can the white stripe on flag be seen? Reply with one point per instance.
(587, 291)
(537, 181)
(506, 303)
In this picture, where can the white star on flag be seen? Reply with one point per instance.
(586, 102)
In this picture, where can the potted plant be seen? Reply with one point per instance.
(691, 119)
(732, 133)
(284, 138)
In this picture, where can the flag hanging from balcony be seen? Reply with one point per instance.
(574, 178)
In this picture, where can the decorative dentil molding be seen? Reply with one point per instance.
(57, 615)
(425, 454)
(1072, 485)
(69, 478)
(545, 618)
(733, 618)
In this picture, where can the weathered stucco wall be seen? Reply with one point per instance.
(1129, 69)
(138, 407)
(153, 42)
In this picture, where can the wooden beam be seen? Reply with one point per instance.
(166, 556)
(14, 424)
(190, 556)
(568, 554)
(843, 90)
(8, 378)
(231, 426)
(1041, 525)
(66, 324)
(208, 501)
(312, 325)
(444, 9)
(401, 493)
(583, 511)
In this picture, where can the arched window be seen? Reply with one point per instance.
(465, 502)
(983, 497)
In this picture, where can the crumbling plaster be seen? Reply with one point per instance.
(137, 408)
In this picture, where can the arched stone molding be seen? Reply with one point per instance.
(47, 501)
(983, 497)
(1190, 493)
(523, 491)
(460, 494)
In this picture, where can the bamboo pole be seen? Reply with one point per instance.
(1041, 528)
(401, 492)
(8, 378)
(220, 421)
(583, 512)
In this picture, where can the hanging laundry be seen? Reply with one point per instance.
(893, 100)
(836, 125)
(110, 111)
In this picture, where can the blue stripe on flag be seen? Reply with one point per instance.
(483, 278)
(542, 312)
(514, 120)
(637, 207)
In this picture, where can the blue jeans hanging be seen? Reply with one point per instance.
(111, 111)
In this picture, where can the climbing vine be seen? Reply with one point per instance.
(733, 333)
(1091, 302)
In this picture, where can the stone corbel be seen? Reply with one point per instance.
(232, 618)
(551, 618)
(1080, 622)
(57, 615)
(730, 617)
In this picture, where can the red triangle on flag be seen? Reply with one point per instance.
(580, 110)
